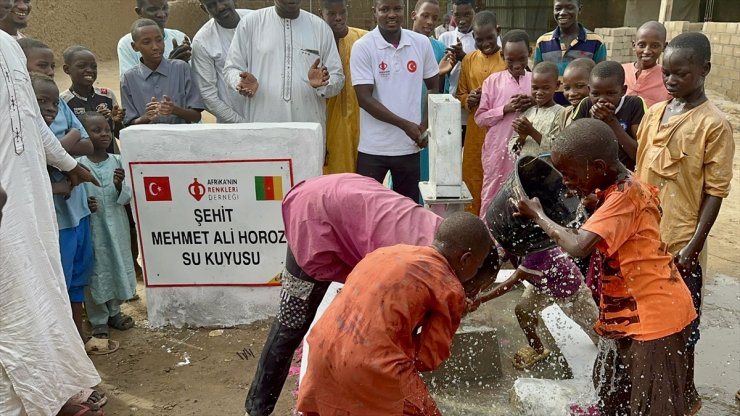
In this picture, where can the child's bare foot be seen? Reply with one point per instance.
(527, 356)
(101, 346)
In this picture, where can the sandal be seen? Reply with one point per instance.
(526, 357)
(76, 409)
(101, 346)
(100, 331)
(121, 321)
(92, 398)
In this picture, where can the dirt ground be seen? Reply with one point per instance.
(188, 372)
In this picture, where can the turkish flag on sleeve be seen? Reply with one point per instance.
(157, 188)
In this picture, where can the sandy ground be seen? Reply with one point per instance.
(187, 372)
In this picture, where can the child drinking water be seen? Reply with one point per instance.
(113, 279)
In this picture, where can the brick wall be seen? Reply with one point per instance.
(725, 74)
(618, 43)
(724, 37)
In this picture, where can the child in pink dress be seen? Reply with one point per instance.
(505, 95)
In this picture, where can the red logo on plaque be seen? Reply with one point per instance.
(411, 66)
(157, 188)
(196, 189)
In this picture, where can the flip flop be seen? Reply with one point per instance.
(76, 409)
(121, 321)
(526, 357)
(100, 331)
(101, 346)
(90, 397)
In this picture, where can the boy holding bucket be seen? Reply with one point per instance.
(645, 308)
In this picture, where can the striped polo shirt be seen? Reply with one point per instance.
(586, 45)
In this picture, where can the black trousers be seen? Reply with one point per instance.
(405, 171)
(299, 299)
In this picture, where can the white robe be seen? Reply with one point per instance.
(210, 47)
(42, 359)
(279, 53)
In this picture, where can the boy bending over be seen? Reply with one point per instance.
(645, 308)
(331, 223)
(394, 318)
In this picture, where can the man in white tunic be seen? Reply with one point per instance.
(286, 61)
(210, 47)
(42, 358)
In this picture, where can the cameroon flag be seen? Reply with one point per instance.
(268, 188)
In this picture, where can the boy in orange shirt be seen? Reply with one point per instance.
(395, 317)
(645, 308)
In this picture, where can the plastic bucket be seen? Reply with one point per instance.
(533, 177)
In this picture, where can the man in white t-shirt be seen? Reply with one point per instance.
(176, 43)
(389, 66)
(210, 47)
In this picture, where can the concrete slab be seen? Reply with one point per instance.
(474, 359)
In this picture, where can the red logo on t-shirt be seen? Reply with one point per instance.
(411, 66)
(383, 66)
(157, 188)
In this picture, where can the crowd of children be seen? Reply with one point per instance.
(639, 141)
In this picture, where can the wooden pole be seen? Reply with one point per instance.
(666, 9)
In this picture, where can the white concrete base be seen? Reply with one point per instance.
(214, 305)
(542, 397)
(226, 306)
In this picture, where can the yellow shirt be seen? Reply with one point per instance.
(476, 67)
(686, 158)
(343, 115)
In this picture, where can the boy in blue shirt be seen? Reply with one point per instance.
(158, 90)
(73, 214)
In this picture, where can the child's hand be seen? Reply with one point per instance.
(181, 52)
(247, 84)
(471, 305)
(528, 208)
(166, 106)
(447, 63)
(117, 114)
(92, 203)
(318, 75)
(523, 127)
(524, 102)
(474, 98)
(104, 110)
(152, 109)
(603, 112)
(457, 50)
(686, 260)
(62, 188)
(118, 176)
(514, 104)
(590, 202)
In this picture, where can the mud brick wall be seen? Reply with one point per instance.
(618, 43)
(725, 75)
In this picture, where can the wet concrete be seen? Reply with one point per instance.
(718, 351)
(718, 356)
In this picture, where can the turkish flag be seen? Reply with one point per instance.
(157, 188)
